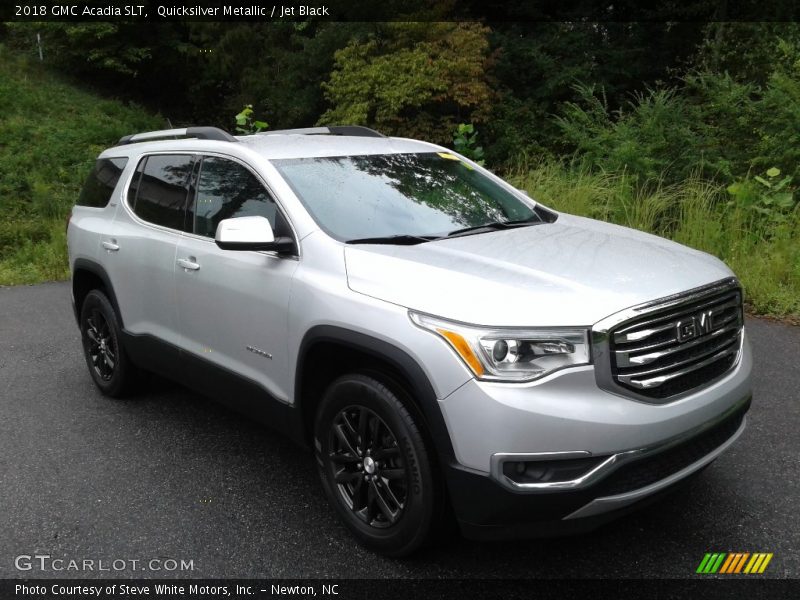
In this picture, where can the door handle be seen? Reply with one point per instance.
(188, 263)
(111, 246)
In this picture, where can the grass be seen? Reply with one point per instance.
(50, 134)
(763, 251)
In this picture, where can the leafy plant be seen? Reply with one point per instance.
(246, 124)
(465, 142)
(415, 79)
(770, 197)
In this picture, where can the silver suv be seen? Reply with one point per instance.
(450, 350)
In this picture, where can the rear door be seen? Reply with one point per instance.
(234, 304)
(143, 243)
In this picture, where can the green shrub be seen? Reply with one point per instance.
(713, 126)
(50, 135)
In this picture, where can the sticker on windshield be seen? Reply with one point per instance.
(448, 156)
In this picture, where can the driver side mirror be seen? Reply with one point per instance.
(250, 233)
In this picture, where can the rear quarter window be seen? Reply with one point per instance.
(101, 182)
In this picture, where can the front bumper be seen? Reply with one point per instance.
(487, 510)
(632, 451)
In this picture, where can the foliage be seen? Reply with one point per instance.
(767, 199)
(712, 125)
(411, 79)
(50, 134)
(104, 47)
(748, 52)
(538, 64)
(293, 61)
(246, 123)
(650, 136)
(465, 140)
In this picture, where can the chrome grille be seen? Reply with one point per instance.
(679, 344)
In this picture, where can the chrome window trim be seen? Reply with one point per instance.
(601, 343)
(136, 159)
(605, 468)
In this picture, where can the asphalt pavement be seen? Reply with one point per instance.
(171, 476)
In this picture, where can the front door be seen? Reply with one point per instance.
(233, 305)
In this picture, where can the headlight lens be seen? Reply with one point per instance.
(505, 354)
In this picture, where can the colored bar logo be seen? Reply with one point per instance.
(734, 563)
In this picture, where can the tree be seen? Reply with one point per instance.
(412, 79)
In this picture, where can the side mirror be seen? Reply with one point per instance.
(250, 233)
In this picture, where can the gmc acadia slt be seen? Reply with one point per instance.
(445, 345)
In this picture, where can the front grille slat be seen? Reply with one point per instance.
(682, 345)
(632, 333)
(624, 358)
(651, 382)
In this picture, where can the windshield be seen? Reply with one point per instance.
(384, 195)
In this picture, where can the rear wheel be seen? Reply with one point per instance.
(374, 465)
(101, 337)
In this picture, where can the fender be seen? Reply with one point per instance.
(84, 264)
(421, 387)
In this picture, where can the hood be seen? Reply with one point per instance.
(574, 271)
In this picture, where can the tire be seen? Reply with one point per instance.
(375, 467)
(101, 337)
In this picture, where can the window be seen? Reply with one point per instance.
(159, 189)
(225, 190)
(101, 182)
(426, 194)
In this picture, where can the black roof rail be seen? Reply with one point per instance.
(200, 133)
(348, 130)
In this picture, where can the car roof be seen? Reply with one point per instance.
(292, 145)
(273, 146)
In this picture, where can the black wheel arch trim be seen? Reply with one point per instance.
(408, 367)
(84, 264)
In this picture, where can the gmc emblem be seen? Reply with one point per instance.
(696, 325)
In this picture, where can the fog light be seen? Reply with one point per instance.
(544, 471)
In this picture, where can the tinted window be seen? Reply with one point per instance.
(133, 188)
(395, 194)
(226, 189)
(162, 189)
(102, 180)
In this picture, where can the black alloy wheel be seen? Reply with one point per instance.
(375, 466)
(102, 346)
(369, 470)
(101, 336)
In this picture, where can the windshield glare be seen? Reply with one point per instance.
(425, 194)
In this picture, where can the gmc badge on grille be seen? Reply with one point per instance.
(695, 326)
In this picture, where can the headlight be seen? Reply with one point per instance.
(506, 354)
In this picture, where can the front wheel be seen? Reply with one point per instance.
(374, 465)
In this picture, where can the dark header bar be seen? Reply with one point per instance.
(403, 10)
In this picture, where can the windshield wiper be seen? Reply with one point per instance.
(402, 239)
(493, 226)
(405, 239)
